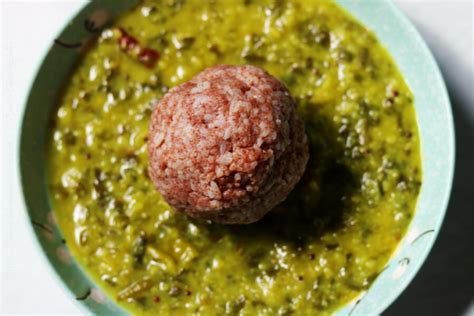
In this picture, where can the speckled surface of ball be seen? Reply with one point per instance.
(227, 145)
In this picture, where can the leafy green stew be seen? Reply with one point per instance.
(319, 249)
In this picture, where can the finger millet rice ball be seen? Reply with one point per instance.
(227, 145)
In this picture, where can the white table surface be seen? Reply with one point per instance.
(445, 285)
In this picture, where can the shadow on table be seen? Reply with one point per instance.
(445, 284)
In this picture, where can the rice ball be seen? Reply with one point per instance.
(228, 145)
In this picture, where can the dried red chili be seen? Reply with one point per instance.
(129, 44)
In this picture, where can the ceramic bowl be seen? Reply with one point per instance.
(433, 113)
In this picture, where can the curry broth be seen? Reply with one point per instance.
(319, 249)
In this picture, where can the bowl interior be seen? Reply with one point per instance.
(433, 114)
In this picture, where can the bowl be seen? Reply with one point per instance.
(394, 31)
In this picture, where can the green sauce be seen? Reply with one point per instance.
(316, 251)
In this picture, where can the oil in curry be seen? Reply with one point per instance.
(320, 248)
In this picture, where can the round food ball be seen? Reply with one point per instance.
(227, 145)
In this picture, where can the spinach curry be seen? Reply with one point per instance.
(319, 249)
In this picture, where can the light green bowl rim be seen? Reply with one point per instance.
(349, 308)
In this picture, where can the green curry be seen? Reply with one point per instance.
(319, 249)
